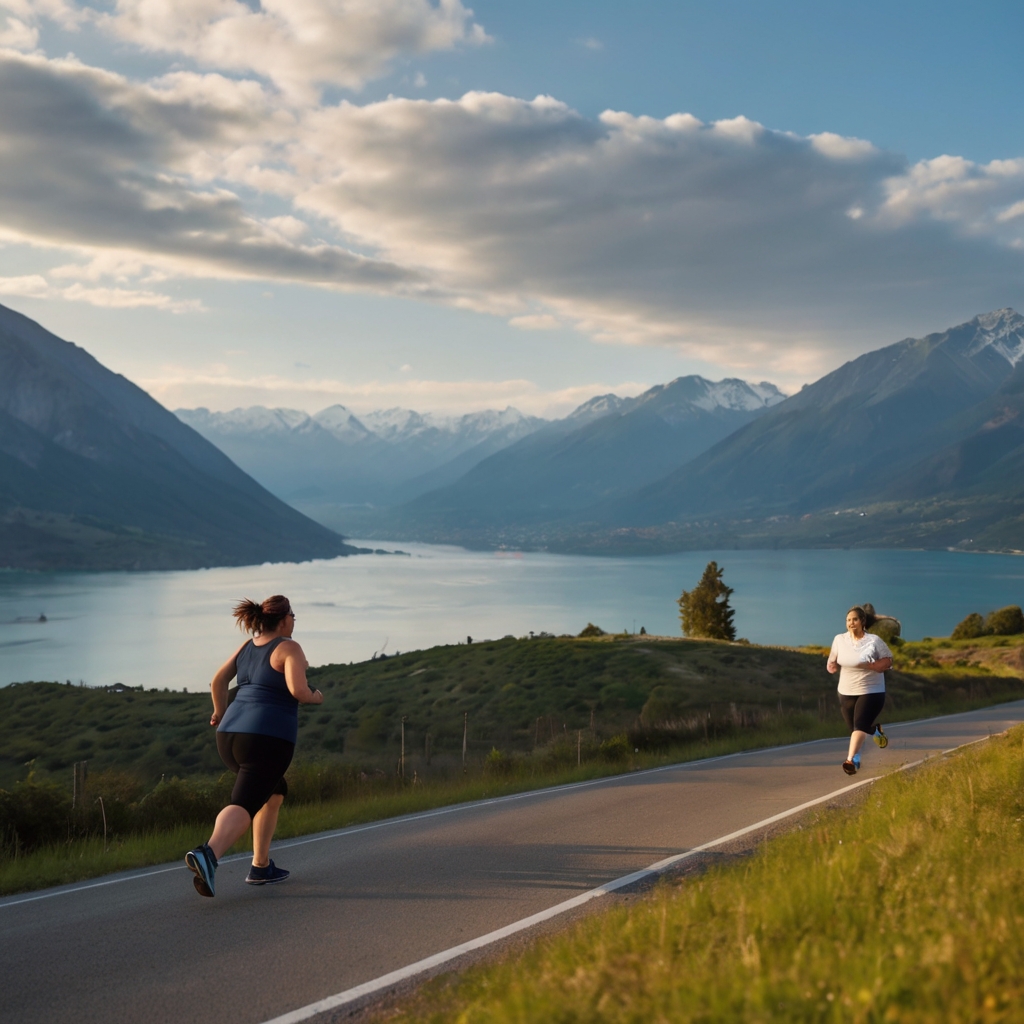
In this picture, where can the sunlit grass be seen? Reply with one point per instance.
(910, 908)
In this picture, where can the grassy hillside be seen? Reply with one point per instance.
(910, 909)
(518, 695)
(539, 712)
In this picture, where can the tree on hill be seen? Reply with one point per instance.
(704, 611)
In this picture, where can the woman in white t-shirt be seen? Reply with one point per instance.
(860, 658)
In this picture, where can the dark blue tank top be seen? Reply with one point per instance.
(263, 704)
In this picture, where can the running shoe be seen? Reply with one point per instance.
(850, 767)
(266, 876)
(203, 864)
(856, 761)
(880, 738)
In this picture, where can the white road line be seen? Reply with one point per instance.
(387, 981)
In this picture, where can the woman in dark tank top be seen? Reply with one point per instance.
(256, 736)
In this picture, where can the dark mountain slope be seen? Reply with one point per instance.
(95, 474)
(987, 459)
(846, 437)
(570, 465)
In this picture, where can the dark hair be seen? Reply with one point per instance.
(262, 618)
(866, 614)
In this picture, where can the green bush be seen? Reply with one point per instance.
(33, 814)
(615, 749)
(1008, 621)
(591, 630)
(182, 801)
(970, 629)
(499, 763)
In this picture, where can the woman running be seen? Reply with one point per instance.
(256, 736)
(860, 658)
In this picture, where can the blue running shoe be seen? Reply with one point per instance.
(850, 767)
(856, 761)
(266, 876)
(880, 738)
(203, 864)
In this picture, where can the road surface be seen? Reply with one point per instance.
(370, 900)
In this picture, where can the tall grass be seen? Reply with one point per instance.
(909, 909)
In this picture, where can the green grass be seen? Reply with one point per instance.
(908, 909)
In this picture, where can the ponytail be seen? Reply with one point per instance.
(261, 618)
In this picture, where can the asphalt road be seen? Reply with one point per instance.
(370, 900)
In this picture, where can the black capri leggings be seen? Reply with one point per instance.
(861, 711)
(259, 762)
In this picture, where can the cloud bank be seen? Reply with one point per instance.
(755, 249)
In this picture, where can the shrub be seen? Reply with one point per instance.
(34, 814)
(615, 749)
(1007, 621)
(970, 629)
(183, 801)
(591, 630)
(499, 763)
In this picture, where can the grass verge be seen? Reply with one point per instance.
(908, 909)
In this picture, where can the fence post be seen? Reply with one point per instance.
(103, 811)
(465, 733)
(401, 763)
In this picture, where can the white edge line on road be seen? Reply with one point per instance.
(472, 804)
(387, 981)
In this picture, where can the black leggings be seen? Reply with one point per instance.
(861, 711)
(259, 762)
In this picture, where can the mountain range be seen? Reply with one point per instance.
(337, 458)
(918, 443)
(607, 448)
(870, 430)
(95, 474)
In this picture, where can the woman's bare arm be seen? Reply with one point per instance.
(219, 686)
(294, 669)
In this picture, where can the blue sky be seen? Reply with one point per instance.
(364, 201)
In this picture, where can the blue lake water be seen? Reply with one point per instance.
(174, 629)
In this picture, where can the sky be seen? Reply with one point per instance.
(425, 204)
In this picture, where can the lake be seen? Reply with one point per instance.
(175, 628)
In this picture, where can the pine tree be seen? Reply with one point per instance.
(704, 611)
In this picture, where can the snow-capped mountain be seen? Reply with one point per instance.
(910, 420)
(336, 456)
(1002, 332)
(603, 448)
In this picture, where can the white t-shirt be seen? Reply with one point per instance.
(853, 657)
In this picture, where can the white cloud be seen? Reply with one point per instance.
(217, 388)
(738, 244)
(16, 34)
(93, 163)
(36, 286)
(590, 43)
(27, 285)
(537, 322)
(299, 45)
